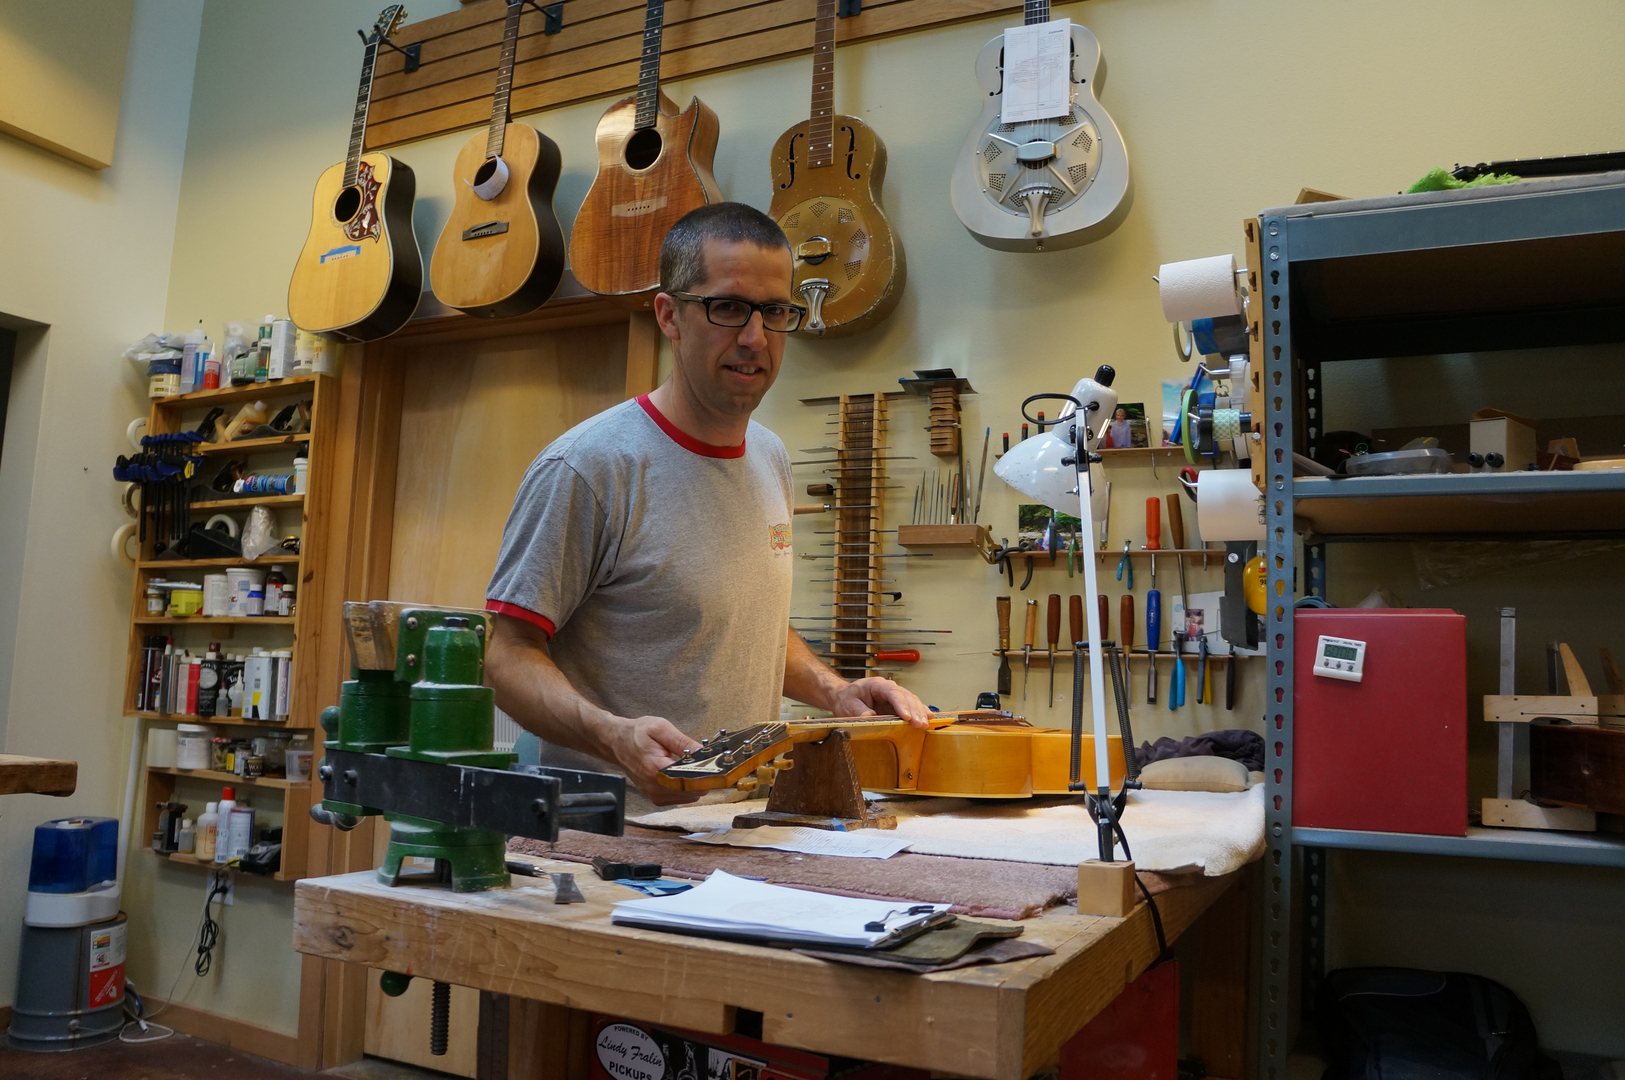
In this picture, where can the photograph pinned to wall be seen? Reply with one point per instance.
(1201, 620)
(1127, 428)
(1032, 522)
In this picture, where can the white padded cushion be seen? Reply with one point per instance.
(1204, 773)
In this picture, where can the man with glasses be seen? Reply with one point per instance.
(642, 594)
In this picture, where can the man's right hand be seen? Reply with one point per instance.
(645, 745)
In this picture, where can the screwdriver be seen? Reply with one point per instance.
(1125, 618)
(1153, 524)
(1074, 618)
(1004, 645)
(1053, 629)
(1153, 612)
(1105, 622)
(1028, 637)
(898, 656)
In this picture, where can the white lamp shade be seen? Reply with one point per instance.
(1033, 466)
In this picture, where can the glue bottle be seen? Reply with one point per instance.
(205, 833)
(191, 345)
(223, 809)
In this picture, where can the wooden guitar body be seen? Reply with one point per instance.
(643, 186)
(1074, 166)
(837, 230)
(503, 256)
(963, 755)
(360, 275)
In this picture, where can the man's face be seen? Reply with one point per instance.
(730, 368)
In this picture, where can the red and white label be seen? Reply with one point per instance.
(107, 966)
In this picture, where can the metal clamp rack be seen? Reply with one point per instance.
(1530, 265)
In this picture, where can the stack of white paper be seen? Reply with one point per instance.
(730, 906)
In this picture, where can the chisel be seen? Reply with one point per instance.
(1052, 629)
(1004, 645)
(1153, 604)
(1105, 621)
(1029, 637)
(1074, 618)
(1125, 619)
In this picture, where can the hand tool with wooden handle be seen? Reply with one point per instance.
(1029, 637)
(1153, 633)
(1153, 524)
(1125, 619)
(1052, 628)
(1004, 645)
(1075, 618)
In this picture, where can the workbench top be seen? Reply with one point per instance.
(1001, 1022)
(40, 776)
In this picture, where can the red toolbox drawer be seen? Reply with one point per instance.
(1387, 753)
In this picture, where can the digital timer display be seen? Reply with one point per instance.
(1339, 652)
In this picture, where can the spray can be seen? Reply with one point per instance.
(228, 803)
(242, 832)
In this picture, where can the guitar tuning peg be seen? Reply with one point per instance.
(748, 783)
(782, 763)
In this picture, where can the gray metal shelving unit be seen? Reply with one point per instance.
(1535, 264)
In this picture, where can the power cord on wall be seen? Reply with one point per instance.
(208, 936)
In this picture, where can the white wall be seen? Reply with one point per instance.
(84, 266)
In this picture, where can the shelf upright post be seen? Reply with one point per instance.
(1280, 440)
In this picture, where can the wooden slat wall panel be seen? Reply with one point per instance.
(595, 55)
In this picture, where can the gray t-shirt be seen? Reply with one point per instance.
(660, 566)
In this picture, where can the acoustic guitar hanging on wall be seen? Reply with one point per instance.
(360, 275)
(827, 172)
(654, 166)
(1045, 184)
(502, 252)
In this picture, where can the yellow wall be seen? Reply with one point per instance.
(1226, 107)
(84, 265)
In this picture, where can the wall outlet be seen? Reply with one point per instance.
(218, 876)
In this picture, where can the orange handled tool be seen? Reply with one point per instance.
(1053, 630)
(1125, 627)
(1004, 645)
(900, 656)
(1153, 524)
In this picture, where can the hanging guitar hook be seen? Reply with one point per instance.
(552, 15)
(412, 52)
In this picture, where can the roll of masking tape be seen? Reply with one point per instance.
(231, 523)
(1228, 506)
(121, 545)
(137, 428)
(131, 499)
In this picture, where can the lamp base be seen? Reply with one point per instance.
(1106, 888)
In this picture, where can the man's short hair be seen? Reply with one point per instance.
(682, 253)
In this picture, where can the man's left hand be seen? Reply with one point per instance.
(867, 697)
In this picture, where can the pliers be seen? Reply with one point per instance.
(1125, 563)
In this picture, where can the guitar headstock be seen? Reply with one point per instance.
(389, 20)
(725, 758)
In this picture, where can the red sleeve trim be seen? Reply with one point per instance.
(685, 440)
(503, 608)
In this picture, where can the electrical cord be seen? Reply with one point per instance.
(1163, 951)
(208, 935)
(209, 932)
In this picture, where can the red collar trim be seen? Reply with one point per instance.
(685, 440)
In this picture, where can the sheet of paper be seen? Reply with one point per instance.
(724, 904)
(860, 844)
(1037, 71)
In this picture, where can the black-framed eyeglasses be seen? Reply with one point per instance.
(731, 311)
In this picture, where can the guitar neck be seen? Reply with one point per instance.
(499, 103)
(821, 129)
(1036, 11)
(358, 126)
(649, 71)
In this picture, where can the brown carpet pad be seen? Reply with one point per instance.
(976, 887)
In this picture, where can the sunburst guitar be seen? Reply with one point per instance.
(501, 252)
(1046, 184)
(654, 166)
(360, 275)
(827, 173)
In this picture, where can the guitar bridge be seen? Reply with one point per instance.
(485, 228)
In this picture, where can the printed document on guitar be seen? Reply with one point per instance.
(1037, 71)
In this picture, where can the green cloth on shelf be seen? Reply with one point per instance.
(1441, 180)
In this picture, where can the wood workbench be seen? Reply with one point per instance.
(1000, 1022)
(38, 776)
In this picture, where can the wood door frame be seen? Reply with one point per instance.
(358, 533)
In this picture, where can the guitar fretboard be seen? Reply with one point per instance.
(358, 126)
(499, 104)
(1037, 11)
(649, 71)
(821, 129)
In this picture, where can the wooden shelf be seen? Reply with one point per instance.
(235, 501)
(187, 859)
(218, 620)
(248, 392)
(226, 777)
(251, 446)
(227, 721)
(263, 560)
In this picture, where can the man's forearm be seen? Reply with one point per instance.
(530, 688)
(807, 678)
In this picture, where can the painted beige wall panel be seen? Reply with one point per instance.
(62, 75)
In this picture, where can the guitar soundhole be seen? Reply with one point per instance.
(347, 204)
(485, 172)
(643, 148)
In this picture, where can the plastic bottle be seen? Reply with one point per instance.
(240, 832)
(262, 354)
(228, 803)
(186, 839)
(274, 582)
(191, 377)
(249, 417)
(205, 831)
(286, 602)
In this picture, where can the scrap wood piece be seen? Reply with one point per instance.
(39, 776)
(1579, 685)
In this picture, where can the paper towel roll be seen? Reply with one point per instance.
(1228, 506)
(1200, 288)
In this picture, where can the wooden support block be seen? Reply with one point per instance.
(39, 776)
(1106, 888)
(1579, 685)
(1525, 708)
(820, 791)
(977, 536)
(1518, 814)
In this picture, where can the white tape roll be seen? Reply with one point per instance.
(137, 428)
(121, 545)
(492, 185)
(1200, 288)
(231, 523)
(131, 499)
(1228, 506)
